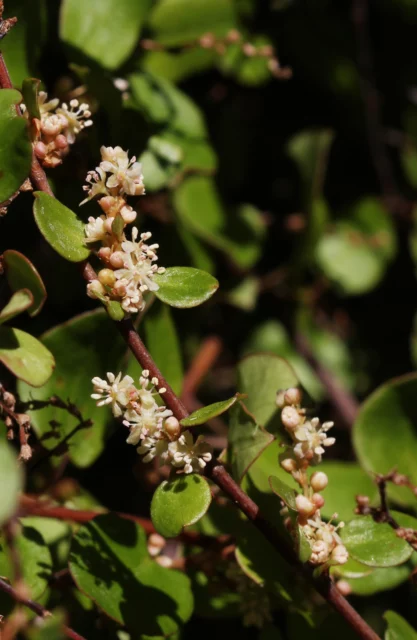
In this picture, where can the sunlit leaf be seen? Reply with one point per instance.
(179, 503)
(211, 411)
(15, 147)
(185, 287)
(21, 274)
(398, 628)
(26, 357)
(60, 227)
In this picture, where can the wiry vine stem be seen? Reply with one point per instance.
(216, 471)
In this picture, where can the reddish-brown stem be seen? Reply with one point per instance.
(206, 356)
(37, 608)
(216, 471)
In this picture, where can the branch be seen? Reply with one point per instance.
(216, 471)
(37, 608)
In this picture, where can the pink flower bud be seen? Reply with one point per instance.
(61, 143)
(304, 506)
(344, 587)
(172, 427)
(293, 396)
(318, 500)
(104, 254)
(318, 481)
(117, 259)
(128, 214)
(289, 465)
(290, 418)
(41, 150)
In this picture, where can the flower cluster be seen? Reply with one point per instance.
(129, 264)
(309, 437)
(57, 128)
(151, 426)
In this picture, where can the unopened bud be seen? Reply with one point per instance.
(344, 587)
(95, 289)
(249, 49)
(164, 561)
(9, 400)
(104, 254)
(290, 418)
(40, 150)
(319, 481)
(318, 500)
(157, 541)
(107, 277)
(172, 427)
(110, 205)
(340, 554)
(117, 259)
(280, 399)
(233, 36)
(289, 465)
(207, 40)
(304, 506)
(25, 452)
(293, 396)
(61, 143)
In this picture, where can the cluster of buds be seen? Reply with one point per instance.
(255, 604)
(151, 426)
(309, 437)
(130, 265)
(15, 422)
(57, 128)
(220, 45)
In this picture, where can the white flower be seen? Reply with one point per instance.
(117, 391)
(126, 174)
(96, 184)
(144, 417)
(311, 437)
(190, 455)
(44, 105)
(76, 117)
(152, 447)
(324, 541)
(95, 230)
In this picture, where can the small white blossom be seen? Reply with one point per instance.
(95, 230)
(75, 117)
(311, 437)
(45, 105)
(117, 391)
(126, 173)
(190, 455)
(96, 184)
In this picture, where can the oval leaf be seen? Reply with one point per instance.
(15, 146)
(26, 357)
(60, 227)
(11, 481)
(109, 559)
(21, 274)
(185, 287)
(19, 302)
(376, 544)
(286, 493)
(391, 409)
(201, 416)
(179, 503)
(398, 628)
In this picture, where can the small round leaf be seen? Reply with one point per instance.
(185, 287)
(179, 503)
(60, 227)
(25, 356)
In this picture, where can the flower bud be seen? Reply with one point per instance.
(304, 506)
(107, 277)
(41, 150)
(9, 400)
(128, 214)
(52, 126)
(318, 500)
(61, 143)
(120, 288)
(104, 254)
(108, 225)
(117, 259)
(164, 561)
(172, 427)
(319, 481)
(280, 400)
(290, 418)
(340, 554)
(95, 289)
(107, 203)
(362, 501)
(249, 49)
(293, 396)
(344, 587)
(289, 465)
(25, 452)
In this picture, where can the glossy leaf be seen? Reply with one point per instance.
(286, 493)
(179, 22)
(376, 544)
(179, 503)
(260, 376)
(30, 89)
(161, 339)
(247, 440)
(398, 628)
(11, 481)
(346, 481)
(35, 559)
(204, 414)
(78, 349)
(391, 409)
(19, 302)
(15, 146)
(26, 357)
(60, 227)
(21, 274)
(185, 287)
(107, 31)
(378, 579)
(109, 559)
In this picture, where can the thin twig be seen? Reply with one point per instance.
(206, 356)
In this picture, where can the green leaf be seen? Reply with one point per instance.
(15, 146)
(378, 580)
(21, 274)
(11, 481)
(35, 559)
(115, 310)
(245, 294)
(107, 31)
(356, 253)
(185, 287)
(309, 150)
(213, 599)
(109, 561)
(78, 348)
(238, 233)
(19, 302)
(376, 544)
(30, 89)
(201, 416)
(179, 503)
(260, 376)
(388, 416)
(398, 628)
(346, 481)
(247, 440)
(286, 493)
(26, 357)
(179, 22)
(162, 339)
(60, 227)
(177, 66)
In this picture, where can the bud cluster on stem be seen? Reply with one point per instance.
(309, 437)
